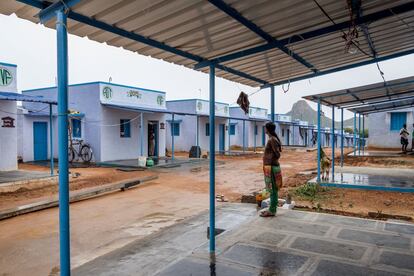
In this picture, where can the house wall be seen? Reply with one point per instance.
(115, 147)
(380, 135)
(8, 137)
(83, 98)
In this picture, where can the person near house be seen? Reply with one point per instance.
(151, 142)
(404, 138)
(412, 139)
(271, 168)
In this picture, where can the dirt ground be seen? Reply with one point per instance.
(105, 223)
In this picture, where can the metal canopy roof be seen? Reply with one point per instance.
(8, 96)
(377, 94)
(263, 42)
(386, 106)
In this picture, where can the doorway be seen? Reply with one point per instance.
(153, 139)
(287, 136)
(222, 129)
(263, 136)
(39, 141)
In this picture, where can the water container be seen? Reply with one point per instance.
(142, 161)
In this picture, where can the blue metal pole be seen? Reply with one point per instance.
(272, 103)
(172, 137)
(359, 134)
(333, 142)
(363, 134)
(212, 161)
(142, 134)
(52, 161)
(229, 134)
(197, 135)
(62, 87)
(355, 134)
(318, 178)
(342, 137)
(244, 136)
(255, 134)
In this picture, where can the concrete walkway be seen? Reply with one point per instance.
(293, 243)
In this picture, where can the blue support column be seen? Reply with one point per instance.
(244, 136)
(197, 135)
(172, 137)
(318, 178)
(272, 103)
(333, 143)
(355, 131)
(229, 134)
(342, 137)
(62, 90)
(359, 134)
(141, 119)
(52, 161)
(363, 134)
(212, 121)
(255, 134)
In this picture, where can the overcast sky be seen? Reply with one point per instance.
(33, 48)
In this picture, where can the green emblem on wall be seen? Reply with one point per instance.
(199, 105)
(160, 100)
(226, 109)
(6, 77)
(107, 92)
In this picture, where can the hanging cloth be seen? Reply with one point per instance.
(243, 102)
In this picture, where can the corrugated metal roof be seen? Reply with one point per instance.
(201, 31)
(8, 96)
(368, 95)
(386, 106)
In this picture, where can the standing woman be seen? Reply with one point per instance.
(271, 168)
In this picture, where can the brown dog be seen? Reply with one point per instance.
(325, 165)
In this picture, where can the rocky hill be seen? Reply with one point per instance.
(303, 111)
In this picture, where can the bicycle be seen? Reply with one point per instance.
(84, 150)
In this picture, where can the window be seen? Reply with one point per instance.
(255, 130)
(398, 119)
(232, 129)
(283, 132)
(207, 129)
(125, 128)
(76, 128)
(175, 129)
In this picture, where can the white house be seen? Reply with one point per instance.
(8, 117)
(118, 121)
(384, 128)
(248, 129)
(191, 125)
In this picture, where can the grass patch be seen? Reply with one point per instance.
(311, 192)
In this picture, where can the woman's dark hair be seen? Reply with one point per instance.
(271, 129)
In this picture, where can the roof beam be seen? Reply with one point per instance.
(233, 13)
(377, 110)
(309, 35)
(43, 5)
(359, 105)
(50, 12)
(342, 68)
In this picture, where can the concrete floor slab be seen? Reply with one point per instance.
(337, 249)
(375, 238)
(329, 268)
(278, 261)
(292, 243)
(397, 260)
(20, 175)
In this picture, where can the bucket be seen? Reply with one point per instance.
(142, 161)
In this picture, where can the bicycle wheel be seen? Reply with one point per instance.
(71, 155)
(86, 153)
